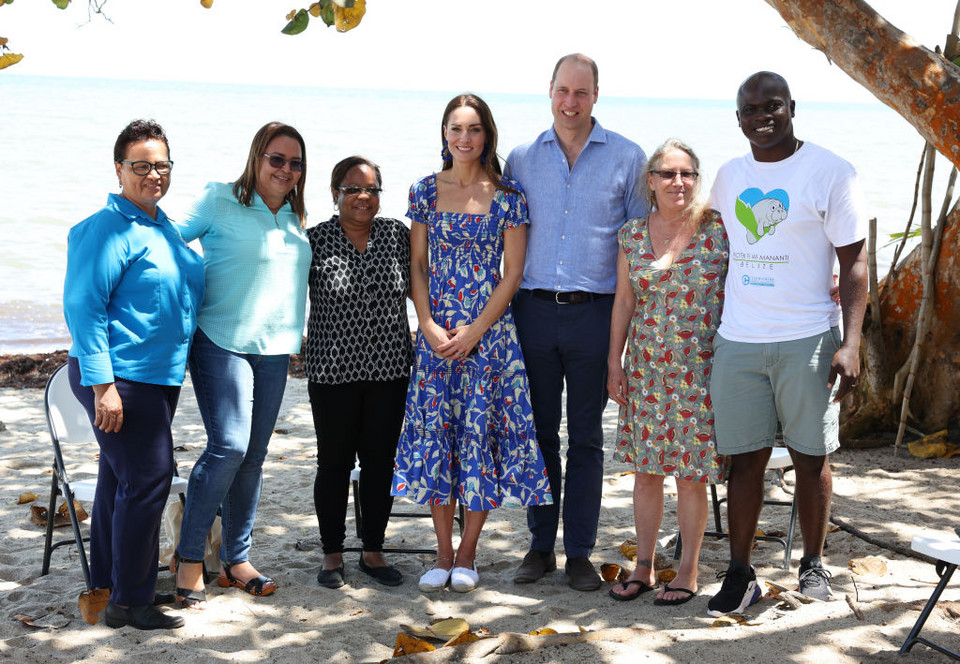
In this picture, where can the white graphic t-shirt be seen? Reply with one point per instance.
(784, 220)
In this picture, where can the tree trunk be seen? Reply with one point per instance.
(914, 81)
(933, 403)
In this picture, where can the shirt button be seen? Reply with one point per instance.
(563, 237)
(561, 262)
(566, 211)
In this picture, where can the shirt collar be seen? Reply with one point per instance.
(597, 135)
(127, 209)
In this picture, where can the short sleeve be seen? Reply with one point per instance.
(845, 221)
(513, 206)
(422, 196)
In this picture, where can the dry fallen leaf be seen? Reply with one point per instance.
(729, 620)
(870, 565)
(611, 572)
(666, 575)
(38, 514)
(439, 628)
(26, 497)
(542, 631)
(629, 550)
(92, 603)
(357, 612)
(464, 637)
(409, 645)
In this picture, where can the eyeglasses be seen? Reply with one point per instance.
(276, 161)
(356, 191)
(144, 167)
(686, 176)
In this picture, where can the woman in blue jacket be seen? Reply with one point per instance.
(130, 300)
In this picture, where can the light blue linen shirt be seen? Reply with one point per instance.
(575, 214)
(256, 265)
(131, 296)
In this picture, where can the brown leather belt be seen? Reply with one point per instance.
(568, 297)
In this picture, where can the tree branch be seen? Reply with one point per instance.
(914, 81)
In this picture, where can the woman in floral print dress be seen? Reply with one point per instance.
(671, 270)
(468, 432)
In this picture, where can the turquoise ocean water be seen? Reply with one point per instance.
(57, 135)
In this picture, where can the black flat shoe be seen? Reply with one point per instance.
(331, 578)
(388, 576)
(145, 616)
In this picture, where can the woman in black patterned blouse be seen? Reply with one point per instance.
(358, 356)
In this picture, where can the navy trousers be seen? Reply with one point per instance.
(566, 344)
(136, 468)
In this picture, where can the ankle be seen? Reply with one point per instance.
(443, 562)
(808, 562)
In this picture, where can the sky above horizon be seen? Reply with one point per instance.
(700, 49)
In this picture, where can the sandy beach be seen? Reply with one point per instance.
(890, 498)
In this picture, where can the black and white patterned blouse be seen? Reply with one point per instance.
(358, 327)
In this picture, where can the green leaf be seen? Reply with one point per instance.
(298, 24)
(61, 4)
(326, 15)
(956, 61)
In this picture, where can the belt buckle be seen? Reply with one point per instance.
(556, 297)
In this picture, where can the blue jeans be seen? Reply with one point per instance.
(239, 397)
(566, 345)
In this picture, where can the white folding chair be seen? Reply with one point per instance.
(70, 427)
(358, 517)
(779, 461)
(945, 550)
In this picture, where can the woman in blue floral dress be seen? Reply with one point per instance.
(468, 432)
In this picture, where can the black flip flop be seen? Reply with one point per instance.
(678, 601)
(626, 585)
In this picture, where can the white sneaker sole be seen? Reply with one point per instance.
(750, 597)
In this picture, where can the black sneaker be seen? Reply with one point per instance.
(739, 590)
(815, 582)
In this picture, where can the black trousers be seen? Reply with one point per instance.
(355, 420)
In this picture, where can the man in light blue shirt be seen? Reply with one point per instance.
(581, 183)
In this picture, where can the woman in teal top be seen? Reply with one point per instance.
(256, 260)
(130, 300)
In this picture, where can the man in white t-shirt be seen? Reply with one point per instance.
(790, 208)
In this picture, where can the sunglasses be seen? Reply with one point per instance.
(686, 176)
(356, 191)
(276, 161)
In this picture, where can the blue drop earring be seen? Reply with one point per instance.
(445, 152)
(483, 157)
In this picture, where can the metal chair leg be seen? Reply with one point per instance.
(48, 541)
(946, 571)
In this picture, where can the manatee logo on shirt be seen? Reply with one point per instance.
(760, 213)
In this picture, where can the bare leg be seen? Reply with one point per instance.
(814, 490)
(473, 525)
(190, 577)
(744, 501)
(443, 526)
(647, 516)
(692, 515)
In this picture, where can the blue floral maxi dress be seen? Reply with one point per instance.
(468, 433)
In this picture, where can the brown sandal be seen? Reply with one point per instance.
(259, 587)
